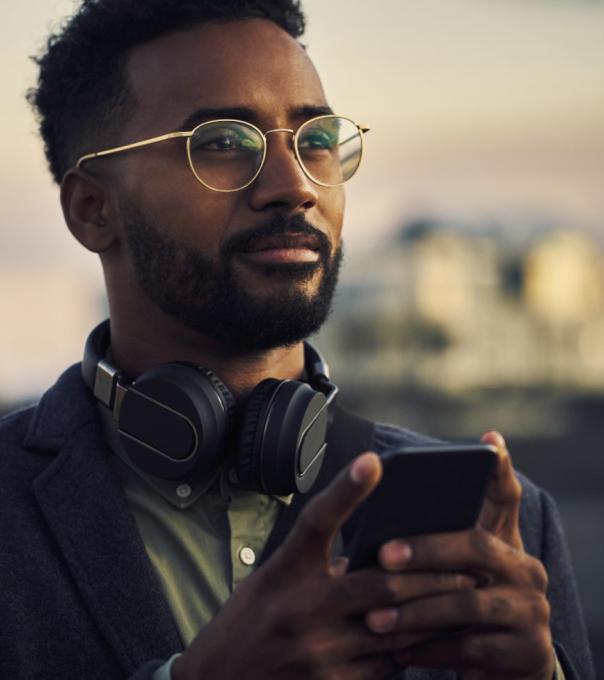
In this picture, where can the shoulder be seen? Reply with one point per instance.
(29, 435)
(540, 522)
(13, 430)
(16, 420)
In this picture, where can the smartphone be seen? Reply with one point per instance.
(424, 490)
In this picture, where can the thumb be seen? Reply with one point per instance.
(308, 545)
(501, 510)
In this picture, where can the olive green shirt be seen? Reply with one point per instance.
(203, 538)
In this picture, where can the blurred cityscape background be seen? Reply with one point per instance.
(473, 291)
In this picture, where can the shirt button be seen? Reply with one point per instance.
(247, 556)
(183, 491)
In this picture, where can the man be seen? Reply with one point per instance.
(194, 146)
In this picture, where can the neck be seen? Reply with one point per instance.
(139, 344)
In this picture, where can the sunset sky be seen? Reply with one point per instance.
(477, 108)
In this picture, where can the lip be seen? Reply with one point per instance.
(275, 256)
(288, 248)
(284, 242)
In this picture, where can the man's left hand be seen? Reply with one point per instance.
(499, 630)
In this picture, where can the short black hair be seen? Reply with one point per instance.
(82, 92)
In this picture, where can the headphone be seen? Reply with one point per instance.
(176, 420)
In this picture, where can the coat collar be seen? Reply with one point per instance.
(82, 501)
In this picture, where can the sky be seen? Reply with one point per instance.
(477, 108)
(455, 91)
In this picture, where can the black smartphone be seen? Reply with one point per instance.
(424, 490)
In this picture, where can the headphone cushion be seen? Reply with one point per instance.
(221, 388)
(250, 438)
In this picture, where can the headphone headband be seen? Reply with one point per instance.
(176, 419)
(105, 380)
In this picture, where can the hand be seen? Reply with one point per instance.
(499, 630)
(300, 616)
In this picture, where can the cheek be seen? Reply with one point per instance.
(332, 211)
(185, 210)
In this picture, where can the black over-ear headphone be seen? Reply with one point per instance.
(173, 420)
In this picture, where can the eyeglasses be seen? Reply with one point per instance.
(227, 155)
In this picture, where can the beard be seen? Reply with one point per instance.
(208, 297)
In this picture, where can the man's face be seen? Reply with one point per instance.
(254, 268)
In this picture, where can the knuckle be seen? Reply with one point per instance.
(384, 588)
(390, 588)
(481, 542)
(447, 582)
(500, 608)
(474, 605)
(516, 489)
(540, 611)
(537, 574)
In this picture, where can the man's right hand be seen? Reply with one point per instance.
(299, 617)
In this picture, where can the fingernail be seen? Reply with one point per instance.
(382, 620)
(363, 468)
(494, 437)
(396, 554)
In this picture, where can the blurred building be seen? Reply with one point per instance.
(456, 308)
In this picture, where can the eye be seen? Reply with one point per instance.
(317, 139)
(224, 139)
(218, 140)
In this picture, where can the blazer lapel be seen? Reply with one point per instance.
(87, 513)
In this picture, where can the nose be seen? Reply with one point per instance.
(282, 182)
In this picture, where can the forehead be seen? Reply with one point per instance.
(249, 63)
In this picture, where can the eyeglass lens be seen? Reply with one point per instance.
(227, 155)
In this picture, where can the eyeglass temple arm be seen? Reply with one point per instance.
(135, 145)
(362, 128)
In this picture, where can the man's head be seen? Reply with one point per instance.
(83, 95)
(252, 269)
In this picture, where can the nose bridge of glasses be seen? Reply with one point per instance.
(288, 131)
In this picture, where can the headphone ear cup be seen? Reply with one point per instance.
(249, 461)
(282, 442)
(174, 419)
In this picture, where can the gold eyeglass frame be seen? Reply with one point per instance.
(188, 135)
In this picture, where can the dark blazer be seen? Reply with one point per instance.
(78, 595)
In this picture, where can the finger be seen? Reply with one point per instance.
(418, 587)
(501, 510)
(498, 655)
(339, 566)
(345, 641)
(371, 589)
(475, 551)
(370, 668)
(309, 542)
(503, 608)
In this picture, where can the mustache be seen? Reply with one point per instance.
(279, 225)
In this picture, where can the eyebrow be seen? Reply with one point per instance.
(249, 115)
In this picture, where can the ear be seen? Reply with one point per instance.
(87, 209)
